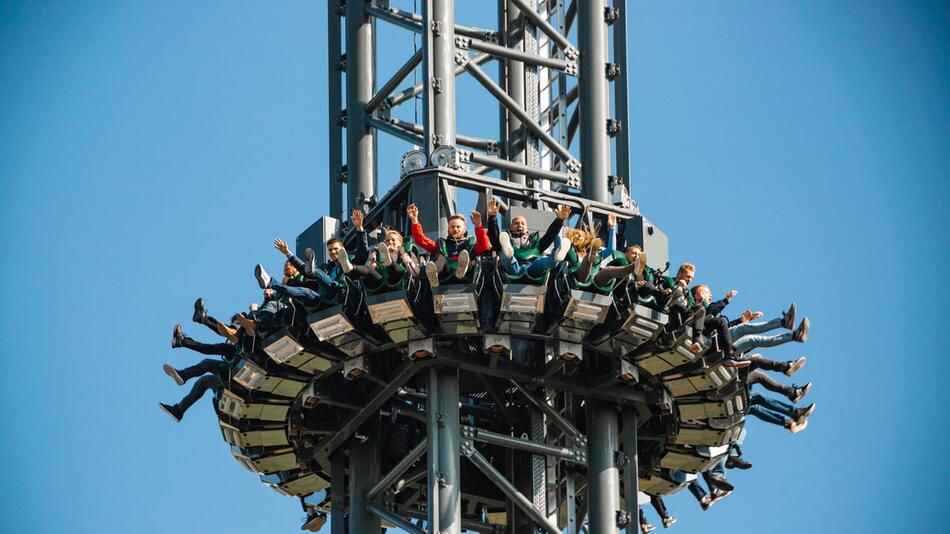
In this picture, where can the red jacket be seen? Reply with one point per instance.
(452, 246)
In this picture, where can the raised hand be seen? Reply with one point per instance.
(731, 294)
(563, 212)
(493, 206)
(357, 219)
(476, 217)
(611, 220)
(282, 247)
(413, 213)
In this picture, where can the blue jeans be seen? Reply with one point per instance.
(305, 295)
(535, 269)
(746, 339)
(770, 410)
(745, 329)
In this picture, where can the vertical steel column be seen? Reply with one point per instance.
(335, 109)
(603, 488)
(360, 86)
(514, 85)
(338, 493)
(620, 94)
(630, 470)
(438, 17)
(594, 99)
(364, 473)
(445, 489)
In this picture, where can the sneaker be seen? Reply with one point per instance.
(440, 263)
(706, 502)
(696, 347)
(788, 318)
(719, 482)
(737, 462)
(505, 240)
(314, 523)
(172, 411)
(734, 363)
(200, 313)
(310, 262)
(462, 267)
(795, 427)
(562, 249)
(801, 333)
(719, 495)
(344, 260)
(384, 254)
(669, 521)
(800, 392)
(177, 336)
(647, 527)
(263, 279)
(801, 414)
(794, 366)
(594, 249)
(432, 273)
(173, 374)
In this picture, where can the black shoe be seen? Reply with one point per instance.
(177, 336)
(173, 374)
(800, 393)
(172, 411)
(719, 482)
(738, 463)
(200, 313)
(706, 502)
(788, 318)
(310, 262)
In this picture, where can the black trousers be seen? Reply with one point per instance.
(770, 384)
(758, 362)
(211, 349)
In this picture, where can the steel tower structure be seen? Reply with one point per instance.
(553, 93)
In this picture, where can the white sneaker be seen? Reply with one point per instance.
(794, 366)
(432, 272)
(563, 249)
(173, 374)
(462, 267)
(344, 260)
(505, 240)
(262, 277)
(383, 252)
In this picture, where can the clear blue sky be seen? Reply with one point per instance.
(151, 151)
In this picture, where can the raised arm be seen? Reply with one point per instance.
(554, 229)
(611, 235)
(292, 258)
(493, 230)
(415, 230)
(361, 254)
(482, 243)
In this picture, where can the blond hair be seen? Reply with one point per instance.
(698, 289)
(687, 267)
(583, 234)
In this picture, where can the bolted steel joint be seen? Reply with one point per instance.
(620, 459)
(341, 8)
(571, 68)
(440, 480)
(341, 63)
(623, 518)
(341, 120)
(571, 53)
(613, 127)
(437, 85)
(462, 42)
(461, 58)
(611, 70)
(573, 166)
(343, 175)
(611, 14)
(490, 37)
(436, 28)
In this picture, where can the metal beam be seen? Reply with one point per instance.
(338, 493)
(621, 106)
(545, 27)
(525, 57)
(502, 440)
(334, 109)
(506, 487)
(360, 83)
(394, 82)
(521, 168)
(417, 89)
(413, 22)
(399, 469)
(438, 42)
(364, 470)
(382, 513)
(602, 475)
(526, 119)
(594, 99)
(630, 470)
(446, 480)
